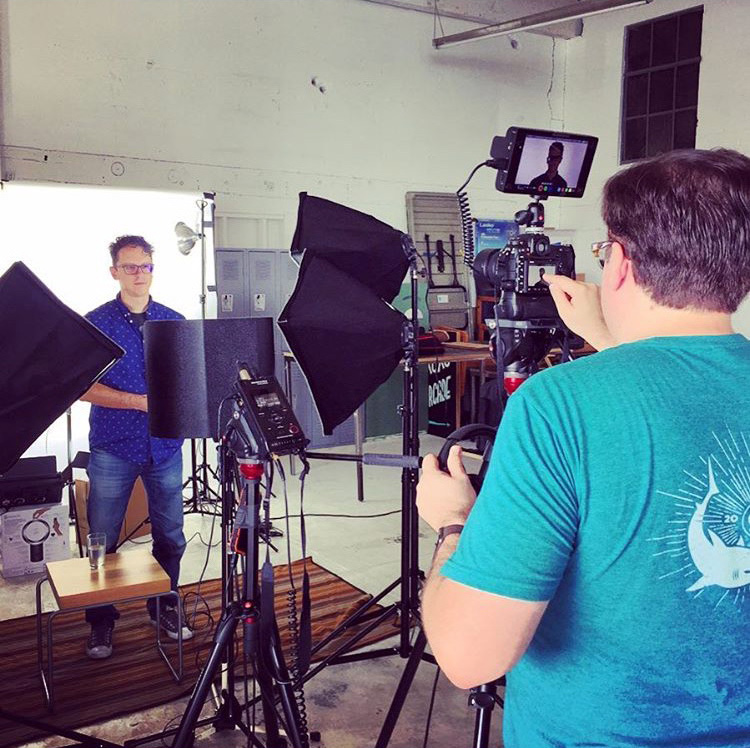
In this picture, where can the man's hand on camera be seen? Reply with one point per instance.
(580, 309)
(444, 498)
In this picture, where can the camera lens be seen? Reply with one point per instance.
(485, 265)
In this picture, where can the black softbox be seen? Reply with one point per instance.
(50, 357)
(338, 322)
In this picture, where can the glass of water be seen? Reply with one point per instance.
(97, 547)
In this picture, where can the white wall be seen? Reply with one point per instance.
(216, 95)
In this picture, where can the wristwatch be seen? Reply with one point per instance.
(444, 532)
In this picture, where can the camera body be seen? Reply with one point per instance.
(516, 272)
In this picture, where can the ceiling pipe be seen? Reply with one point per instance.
(537, 20)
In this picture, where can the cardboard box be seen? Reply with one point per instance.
(32, 536)
(134, 525)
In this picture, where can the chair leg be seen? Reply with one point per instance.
(176, 673)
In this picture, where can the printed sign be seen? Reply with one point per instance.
(441, 399)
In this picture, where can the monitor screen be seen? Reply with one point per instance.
(543, 162)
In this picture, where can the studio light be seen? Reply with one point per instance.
(48, 362)
(186, 237)
(339, 322)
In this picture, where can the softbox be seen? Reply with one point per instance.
(50, 357)
(338, 322)
(358, 244)
(192, 365)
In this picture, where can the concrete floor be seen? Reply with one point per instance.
(346, 703)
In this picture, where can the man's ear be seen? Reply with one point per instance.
(619, 268)
(113, 272)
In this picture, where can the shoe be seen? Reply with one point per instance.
(168, 623)
(99, 643)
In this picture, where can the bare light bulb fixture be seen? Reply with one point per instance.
(186, 237)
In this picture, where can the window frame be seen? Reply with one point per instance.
(649, 116)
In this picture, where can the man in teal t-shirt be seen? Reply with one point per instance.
(605, 565)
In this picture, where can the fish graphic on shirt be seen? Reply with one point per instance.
(719, 564)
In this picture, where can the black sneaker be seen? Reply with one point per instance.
(168, 622)
(99, 643)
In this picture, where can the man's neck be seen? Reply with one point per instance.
(136, 304)
(665, 322)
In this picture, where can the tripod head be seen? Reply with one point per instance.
(533, 216)
(518, 347)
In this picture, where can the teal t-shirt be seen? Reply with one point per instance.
(619, 490)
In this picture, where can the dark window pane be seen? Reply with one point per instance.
(661, 85)
(636, 94)
(639, 47)
(664, 41)
(690, 35)
(684, 128)
(659, 134)
(661, 95)
(634, 145)
(686, 93)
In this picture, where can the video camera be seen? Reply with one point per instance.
(516, 271)
(540, 163)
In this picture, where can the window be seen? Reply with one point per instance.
(660, 85)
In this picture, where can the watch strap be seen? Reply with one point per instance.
(447, 530)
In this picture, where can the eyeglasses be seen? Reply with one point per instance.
(601, 251)
(131, 269)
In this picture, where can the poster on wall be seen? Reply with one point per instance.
(491, 233)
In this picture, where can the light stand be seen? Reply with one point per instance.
(407, 607)
(186, 239)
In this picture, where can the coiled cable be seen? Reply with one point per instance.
(467, 224)
(467, 227)
(297, 666)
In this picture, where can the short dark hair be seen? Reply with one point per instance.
(557, 144)
(684, 221)
(129, 241)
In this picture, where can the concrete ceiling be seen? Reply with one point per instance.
(486, 12)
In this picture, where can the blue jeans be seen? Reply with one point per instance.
(111, 482)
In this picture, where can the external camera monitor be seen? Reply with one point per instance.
(543, 162)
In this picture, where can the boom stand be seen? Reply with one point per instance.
(260, 632)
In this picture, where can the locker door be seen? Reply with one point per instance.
(231, 283)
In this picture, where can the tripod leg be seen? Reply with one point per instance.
(270, 720)
(403, 689)
(224, 636)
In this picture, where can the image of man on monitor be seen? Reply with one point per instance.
(550, 181)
